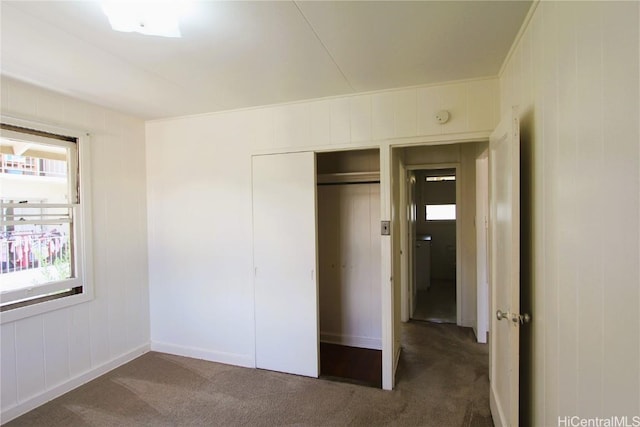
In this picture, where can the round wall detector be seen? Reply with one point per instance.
(442, 116)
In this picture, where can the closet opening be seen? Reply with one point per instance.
(348, 212)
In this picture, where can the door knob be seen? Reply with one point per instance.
(521, 318)
(502, 314)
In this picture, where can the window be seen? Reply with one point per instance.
(44, 215)
(440, 212)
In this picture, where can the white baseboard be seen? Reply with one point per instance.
(352, 341)
(57, 391)
(247, 361)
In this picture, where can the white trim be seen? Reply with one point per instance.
(83, 230)
(33, 402)
(421, 140)
(456, 166)
(351, 340)
(245, 360)
(496, 408)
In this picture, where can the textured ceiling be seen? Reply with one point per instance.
(241, 54)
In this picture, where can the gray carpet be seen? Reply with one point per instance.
(441, 381)
(438, 303)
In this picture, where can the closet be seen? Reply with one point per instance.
(316, 243)
(348, 215)
(284, 254)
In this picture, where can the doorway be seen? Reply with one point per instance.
(435, 245)
(457, 165)
(348, 200)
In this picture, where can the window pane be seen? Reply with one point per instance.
(38, 174)
(440, 212)
(37, 233)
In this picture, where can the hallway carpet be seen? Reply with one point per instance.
(441, 381)
(438, 303)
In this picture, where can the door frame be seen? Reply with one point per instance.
(409, 263)
(482, 246)
(388, 159)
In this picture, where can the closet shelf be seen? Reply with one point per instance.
(348, 177)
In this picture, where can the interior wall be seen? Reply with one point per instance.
(465, 156)
(46, 355)
(199, 195)
(348, 161)
(349, 264)
(575, 76)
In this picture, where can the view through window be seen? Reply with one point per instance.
(39, 203)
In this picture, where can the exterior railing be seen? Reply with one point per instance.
(26, 251)
(25, 165)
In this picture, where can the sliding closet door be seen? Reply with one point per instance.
(286, 292)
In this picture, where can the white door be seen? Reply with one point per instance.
(504, 249)
(284, 245)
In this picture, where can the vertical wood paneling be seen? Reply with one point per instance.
(320, 117)
(567, 231)
(406, 113)
(428, 104)
(340, 123)
(30, 357)
(383, 115)
(48, 350)
(482, 109)
(8, 367)
(375, 321)
(539, 206)
(589, 90)
(584, 101)
(621, 179)
(453, 98)
(80, 340)
(550, 128)
(292, 125)
(361, 118)
(349, 244)
(56, 347)
(99, 317)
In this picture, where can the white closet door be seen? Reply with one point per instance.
(286, 292)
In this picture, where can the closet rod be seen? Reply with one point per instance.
(348, 183)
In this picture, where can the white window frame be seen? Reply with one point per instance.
(83, 253)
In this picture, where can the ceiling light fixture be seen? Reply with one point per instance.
(153, 18)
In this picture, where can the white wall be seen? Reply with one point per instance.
(349, 264)
(575, 75)
(46, 355)
(199, 194)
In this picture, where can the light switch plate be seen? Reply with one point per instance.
(385, 228)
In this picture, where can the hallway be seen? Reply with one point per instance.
(437, 303)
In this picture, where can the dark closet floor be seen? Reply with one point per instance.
(352, 364)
